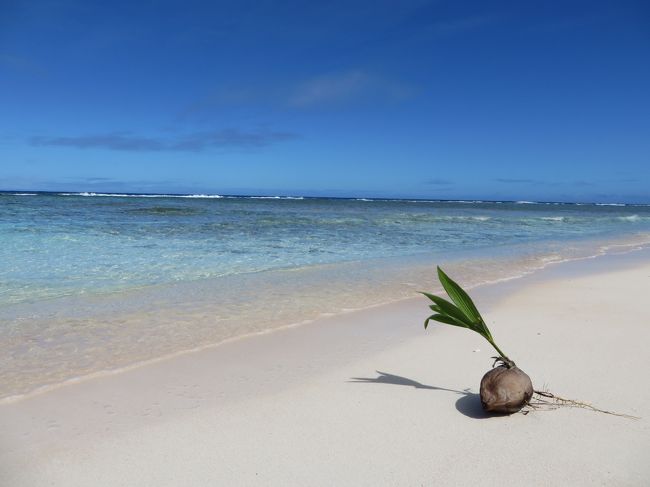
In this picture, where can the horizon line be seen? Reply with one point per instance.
(20, 192)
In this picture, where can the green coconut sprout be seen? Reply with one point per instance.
(461, 312)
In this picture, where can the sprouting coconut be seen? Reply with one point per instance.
(504, 389)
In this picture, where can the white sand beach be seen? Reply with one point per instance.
(368, 398)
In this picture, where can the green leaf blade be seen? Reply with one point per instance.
(448, 308)
(462, 312)
(459, 297)
(448, 320)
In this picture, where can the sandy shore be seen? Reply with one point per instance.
(368, 398)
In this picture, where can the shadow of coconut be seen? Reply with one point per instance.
(470, 406)
(469, 403)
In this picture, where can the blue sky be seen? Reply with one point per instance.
(431, 99)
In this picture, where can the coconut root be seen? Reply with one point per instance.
(544, 400)
(507, 389)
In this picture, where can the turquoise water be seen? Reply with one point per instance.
(90, 283)
(59, 244)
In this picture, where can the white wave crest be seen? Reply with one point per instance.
(121, 195)
(274, 197)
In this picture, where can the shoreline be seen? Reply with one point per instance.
(602, 250)
(250, 397)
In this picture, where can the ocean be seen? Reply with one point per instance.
(91, 283)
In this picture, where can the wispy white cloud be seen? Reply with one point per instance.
(338, 88)
(329, 88)
(345, 86)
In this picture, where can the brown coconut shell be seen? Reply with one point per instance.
(505, 390)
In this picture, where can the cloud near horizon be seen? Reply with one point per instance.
(517, 181)
(195, 142)
(439, 182)
(538, 182)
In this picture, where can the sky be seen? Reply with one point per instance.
(544, 101)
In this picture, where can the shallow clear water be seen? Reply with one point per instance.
(53, 245)
(89, 283)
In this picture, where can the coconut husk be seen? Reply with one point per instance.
(505, 389)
